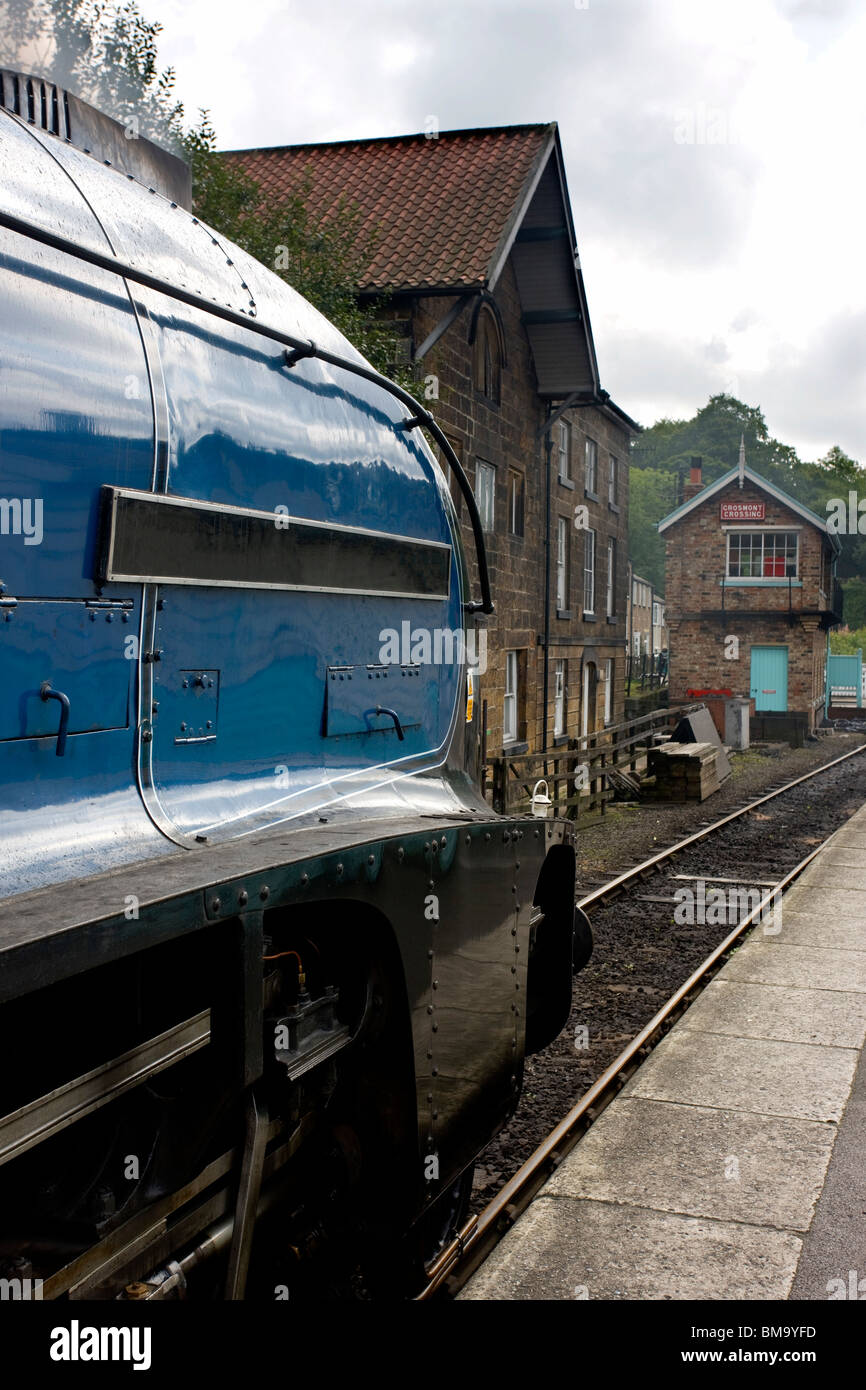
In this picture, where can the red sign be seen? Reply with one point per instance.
(742, 511)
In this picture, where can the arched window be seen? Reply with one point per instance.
(488, 355)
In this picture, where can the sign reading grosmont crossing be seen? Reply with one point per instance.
(742, 511)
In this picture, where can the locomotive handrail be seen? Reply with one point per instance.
(298, 349)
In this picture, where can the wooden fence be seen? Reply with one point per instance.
(576, 775)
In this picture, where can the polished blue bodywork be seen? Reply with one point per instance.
(197, 713)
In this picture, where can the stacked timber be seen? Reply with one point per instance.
(683, 771)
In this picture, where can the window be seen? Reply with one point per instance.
(762, 554)
(587, 712)
(515, 502)
(611, 482)
(589, 573)
(636, 643)
(562, 564)
(608, 690)
(564, 451)
(488, 357)
(657, 615)
(611, 576)
(509, 714)
(485, 492)
(591, 466)
(559, 699)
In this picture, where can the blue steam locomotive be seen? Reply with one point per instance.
(269, 965)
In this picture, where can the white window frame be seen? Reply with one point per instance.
(591, 466)
(761, 531)
(516, 487)
(562, 565)
(612, 480)
(608, 689)
(584, 702)
(559, 699)
(611, 566)
(509, 704)
(485, 493)
(589, 572)
(564, 451)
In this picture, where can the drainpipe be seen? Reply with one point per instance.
(548, 450)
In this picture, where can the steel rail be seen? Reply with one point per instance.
(597, 897)
(482, 1232)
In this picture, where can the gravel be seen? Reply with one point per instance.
(641, 956)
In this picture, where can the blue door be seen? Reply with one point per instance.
(769, 680)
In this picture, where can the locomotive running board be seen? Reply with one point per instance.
(41, 1119)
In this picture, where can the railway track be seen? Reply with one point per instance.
(482, 1232)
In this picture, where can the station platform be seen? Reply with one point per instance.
(730, 1167)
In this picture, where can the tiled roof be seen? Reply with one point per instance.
(440, 208)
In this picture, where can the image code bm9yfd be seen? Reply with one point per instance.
(270, 963)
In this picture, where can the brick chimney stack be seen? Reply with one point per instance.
(694, 483)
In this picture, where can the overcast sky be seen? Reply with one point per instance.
(713, 153)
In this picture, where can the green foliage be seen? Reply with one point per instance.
(323, 261)
(714, 434)
(848, 642)
(108, 55)
(651, 495)
(855, 602)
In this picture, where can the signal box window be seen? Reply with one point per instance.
(762, 554)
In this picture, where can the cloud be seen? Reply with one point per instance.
(711, 153)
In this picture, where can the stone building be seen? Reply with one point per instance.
(751, 595)
(475, 253)
(646, 626)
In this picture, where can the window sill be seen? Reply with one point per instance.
(563, 613)
(560, 740)
(761, 583)
(589, 617)
(513, 536)
(612, 507)
(566, 482)
(593, 496)
(508, 748)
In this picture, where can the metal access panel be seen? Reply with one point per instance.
(194, 706)
(86, 652)
(354, 693)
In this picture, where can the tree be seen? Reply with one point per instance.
(651, 495)
(714, 434)
(108, 55)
